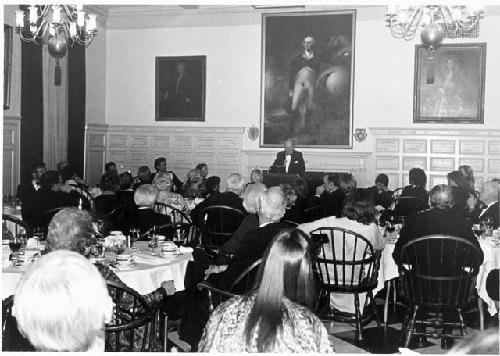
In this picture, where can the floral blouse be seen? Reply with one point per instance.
(302, 331)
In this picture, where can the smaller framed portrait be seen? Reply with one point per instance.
(180, 88)
(449, 83)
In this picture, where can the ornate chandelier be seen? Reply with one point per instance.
(438, 21)
(58, 26)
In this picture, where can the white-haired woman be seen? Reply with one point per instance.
(61, 304)
(163, 182)
(250, 222)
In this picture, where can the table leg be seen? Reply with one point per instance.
(386, 302)
(481, 313)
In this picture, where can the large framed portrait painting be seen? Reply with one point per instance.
(307, 78)
(449, 83)
(180, 88)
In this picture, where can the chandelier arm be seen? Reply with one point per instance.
(44, 10)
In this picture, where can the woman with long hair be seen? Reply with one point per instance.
(275, 315)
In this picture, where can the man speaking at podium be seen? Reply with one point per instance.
(289, 161)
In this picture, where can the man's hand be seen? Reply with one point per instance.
(320, 190)
(66, 188)
(214, 269)
(168, 286)
(471, 203)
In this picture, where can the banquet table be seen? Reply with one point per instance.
(145, 276)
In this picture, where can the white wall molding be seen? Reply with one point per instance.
(437, 151)
(131, 146)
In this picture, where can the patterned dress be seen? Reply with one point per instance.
(302, 331)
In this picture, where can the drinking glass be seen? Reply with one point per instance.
(488, 226)
(16, 243)
(153, 243)
(99, 227)
(478, 229)
(98, 248)
(134, 237)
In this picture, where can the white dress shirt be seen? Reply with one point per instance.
(288, 160)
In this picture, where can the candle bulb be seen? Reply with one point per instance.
(72, 29)
(33, 14)
(91, 23)
(56, 14)
(19, 18)
(80, 18)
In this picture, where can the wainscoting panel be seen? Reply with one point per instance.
(11, 175)
(95, 152)
(183, 147)
(437, 151)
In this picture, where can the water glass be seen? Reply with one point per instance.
(153, 243)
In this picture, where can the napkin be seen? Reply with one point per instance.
(148, 259)
(184, 249)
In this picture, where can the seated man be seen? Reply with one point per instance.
(61, 304)
(26, 192)
(439, 220)
(231, 197)
(250, 249)
(331, 195)
(145, 197)
(489, 196)
(380, 194)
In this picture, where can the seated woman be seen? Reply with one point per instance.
(357, 216)
(71, 229)
(466, 202)
(250, 221)
(163, 182)
(415, 189)
(275, 316)
(193, 188)
(61, 304)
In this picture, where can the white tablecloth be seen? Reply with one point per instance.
(491, 261)
(144, 278)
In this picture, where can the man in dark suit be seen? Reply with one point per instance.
(253, 245)
(380, 194)
(231, 197)
(27, 191)
(489, 196)
(195, 312)
(330, 195)
(289, 161)
(145, 196)
(439, 220)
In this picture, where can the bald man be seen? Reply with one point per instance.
(252, 247)
(289, 161)
(489, 196)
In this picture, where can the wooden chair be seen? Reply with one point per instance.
(12, 340)
(14, 226)
(135, 326)
(346, 263)
(241, 285)
(439, 275)
(177, 215)
(217, 224)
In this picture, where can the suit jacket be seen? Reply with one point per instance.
(297, 164)
(491, 212)
(430, 222)
(252, 247)
(146, 219)
(383, 199)
(227, 198)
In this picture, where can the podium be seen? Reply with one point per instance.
(312, 178)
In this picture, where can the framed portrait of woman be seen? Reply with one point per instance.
(449, 83)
